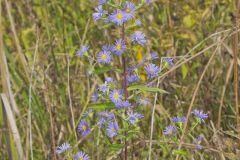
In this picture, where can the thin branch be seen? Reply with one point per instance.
(153, 112)
(235, 67)
(70, 98)
(30, 99)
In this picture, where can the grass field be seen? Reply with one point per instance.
(47, 88)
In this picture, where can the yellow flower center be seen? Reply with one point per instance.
(81, 158)
(84, 127)
(148, 58)
(118, 46)
(128, 10)
(170, 132)
(119, 16)
(113, 130)
(104, 57)
(116, 96)
(199, 142)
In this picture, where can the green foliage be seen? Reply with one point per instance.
(144, 88)
(102, 106)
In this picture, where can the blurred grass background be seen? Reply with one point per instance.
(54, 29)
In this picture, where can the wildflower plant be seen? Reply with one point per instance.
(119, 101)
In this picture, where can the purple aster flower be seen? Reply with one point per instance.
(103, 87)
(107, 48)
(139, 37)
(87, 112)
(139, 64)
(83, 128)
(151, 56)
(132, 78)
(81, 156)
(179, 119)
(101, 121)
(104, 57)
(119, 47)
(169, 130)
(200, 115)
(123, 104)
(143, 101)
(102, 2)
(118, 17)
(95, 97)
(152, 70)
(198, 142)
(134, 117)
(138, 22)
(110, 80)
(62, 148)
(110, 116)
(130, 69)
(129, 10)
(105, 115)
(112, 129)
(148, 1)
(102, 116)
(82, 50)
(150, 85)
(99, 12)
(169, 60)
(116, 96)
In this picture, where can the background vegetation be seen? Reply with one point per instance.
(40, 73)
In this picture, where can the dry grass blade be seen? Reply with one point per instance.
(223, 94)
(70, 97)
(5, 73)
(230, 51)
(19, 48)
(13, 126)
(6, 130)
(235, 66)
(29, 128)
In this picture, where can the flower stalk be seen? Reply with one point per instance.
(124, 64)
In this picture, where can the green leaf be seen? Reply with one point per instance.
(184, 70)
(146, 89)
(115, 147)
(102, 70)
(180, 152)
(102, 106)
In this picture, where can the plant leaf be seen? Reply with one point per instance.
(146, 89)
(102, 106)
(180, 152)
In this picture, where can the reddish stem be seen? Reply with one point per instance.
(124, 61)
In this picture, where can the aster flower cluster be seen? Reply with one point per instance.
(171, 130)
(116, 104)
(123, 15)
(200, 115)
(66, 147)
